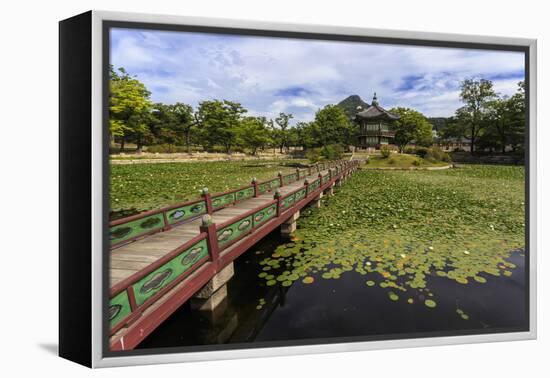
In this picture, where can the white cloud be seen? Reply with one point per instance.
(270, 75)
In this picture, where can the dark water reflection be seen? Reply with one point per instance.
(345, 307)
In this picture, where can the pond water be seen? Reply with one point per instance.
(391, 255)
(343, 307)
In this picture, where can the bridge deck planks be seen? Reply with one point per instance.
(133, 257)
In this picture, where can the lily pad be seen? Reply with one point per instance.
(393, 296)
(430, 303)
(480, 279)
(308, 280)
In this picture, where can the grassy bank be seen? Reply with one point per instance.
(401, 161)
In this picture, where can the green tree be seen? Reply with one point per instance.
(412, 125)
(282, 134)
(218, 122)
(476, 95)
(331, 126)
(505, 122)
(498, 123)
(182, 121)
(253, 133)
(129, 107)
(517, 107)
(160, 125)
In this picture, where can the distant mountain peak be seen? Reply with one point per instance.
(352, 105)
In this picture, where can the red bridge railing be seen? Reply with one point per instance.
(130, 297)
(126, 230)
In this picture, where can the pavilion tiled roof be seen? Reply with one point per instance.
(375, 111)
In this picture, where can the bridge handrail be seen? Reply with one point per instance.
(262, 185)
(205, 246)
(128, 229)
(123, 293)
(251, 214)
(248, 192)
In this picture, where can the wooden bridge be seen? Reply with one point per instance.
(162, 258)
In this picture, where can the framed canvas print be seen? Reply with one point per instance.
(232, 189)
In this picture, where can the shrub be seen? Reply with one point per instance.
(421, 151)
(409, 150)
(313, 155)
(416, 162)
(391, 161)
(332, 152)
(385, 151)
(437, 154)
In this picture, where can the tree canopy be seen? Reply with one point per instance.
(412, 125)
(488, 120)
(129, 106)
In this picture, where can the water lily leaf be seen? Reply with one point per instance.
(480, 279)
(308, 280)
(430, 303)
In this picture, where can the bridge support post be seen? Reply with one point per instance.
(330, 190)
(289, 226)
(316, 202)
(214, 292)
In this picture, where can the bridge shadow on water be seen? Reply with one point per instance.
(345, 307)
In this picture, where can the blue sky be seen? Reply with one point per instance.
(271, 75)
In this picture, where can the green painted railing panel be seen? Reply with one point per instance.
(234, 230)
(119, 308)
(244, 194)
(268, 185)
(289, 178)
(130, 230)
(223, 200)
(264, 187)
(314, 185)
(299, 195)
(265, 214)
(185, 212)
(159, 278)
(288, 201)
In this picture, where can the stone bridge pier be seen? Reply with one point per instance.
(289, 226)
(214, 292)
